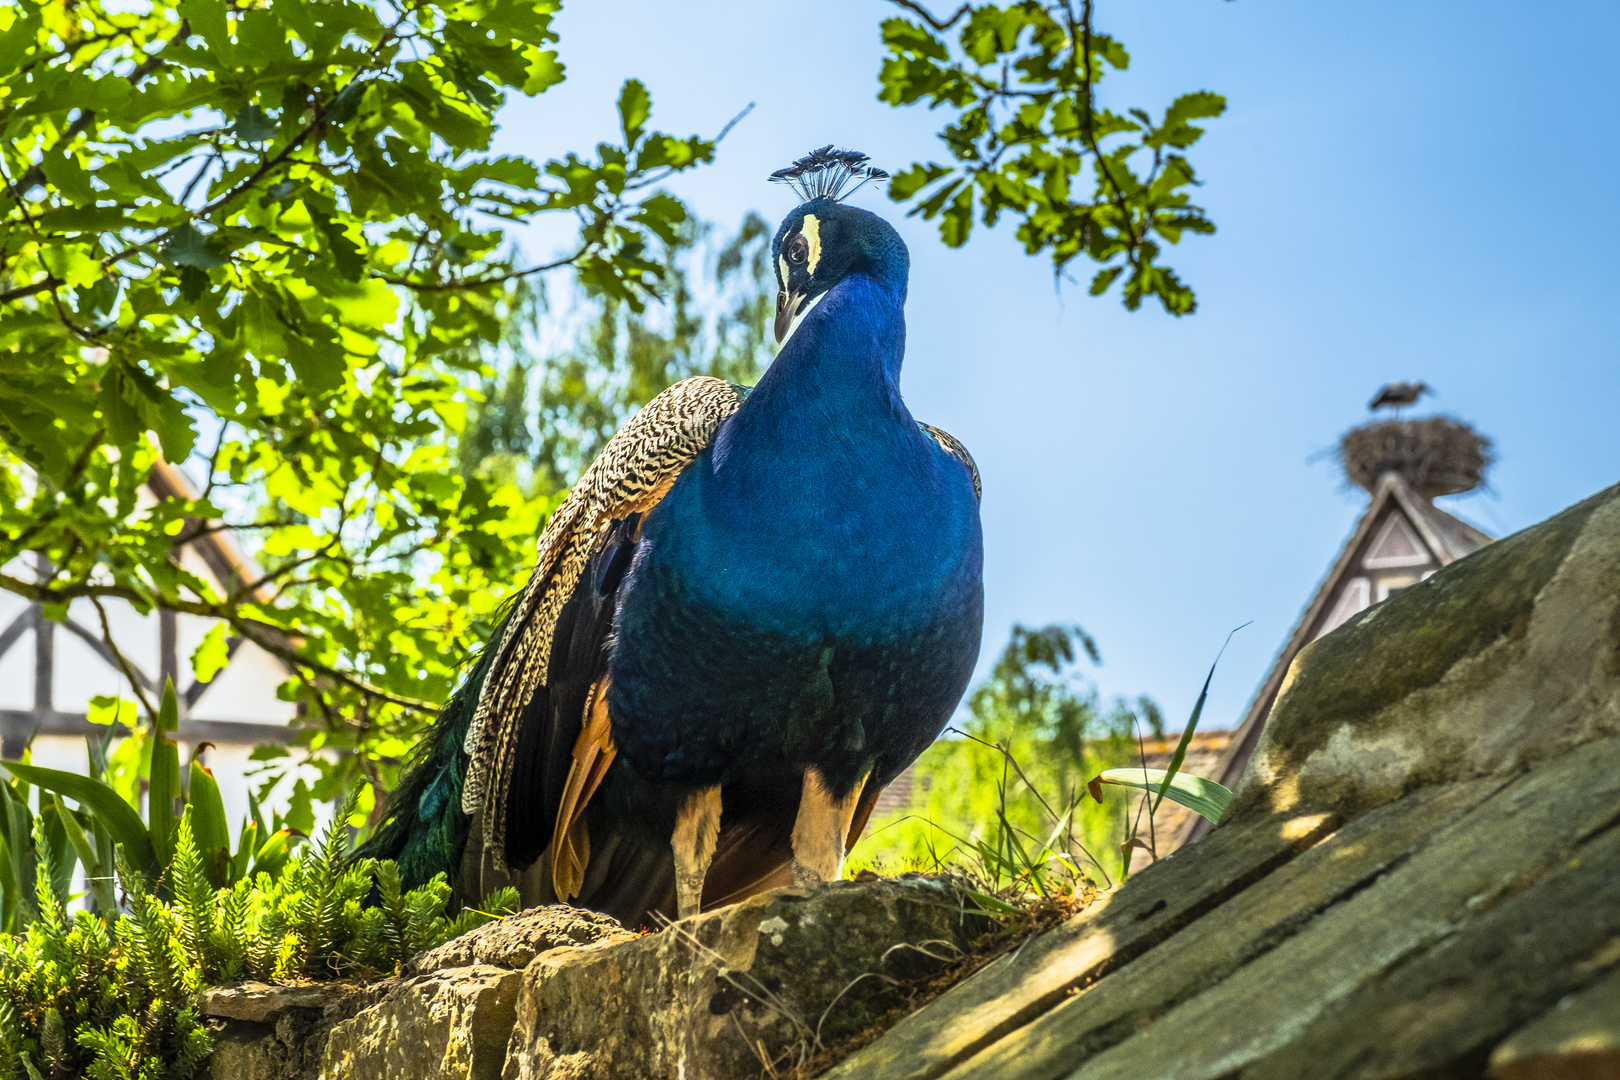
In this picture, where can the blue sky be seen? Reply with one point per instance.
(1402, 191)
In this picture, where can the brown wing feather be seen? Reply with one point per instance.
(634, 471)
(570, 840)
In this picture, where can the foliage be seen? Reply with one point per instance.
(541, 423)
(80, 998)
(1007, 800)
(107, 823)
(274, 234)
(1198, 794)
(1029, 139)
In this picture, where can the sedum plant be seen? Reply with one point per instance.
(112, 997)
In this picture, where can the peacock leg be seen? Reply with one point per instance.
(697, 825)
(820, 830)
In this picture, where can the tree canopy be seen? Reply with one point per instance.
(268, 239)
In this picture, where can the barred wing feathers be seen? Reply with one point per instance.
(526, 707)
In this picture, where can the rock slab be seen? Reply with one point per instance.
(1458, 915)
(264, 1032)
(514, 941)
(1577, 1039)
(738, 992)
(450, 1024)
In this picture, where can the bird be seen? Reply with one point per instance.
(754, 610)
(1398, 395)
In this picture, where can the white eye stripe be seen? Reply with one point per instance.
(811, 231)
(781, 261)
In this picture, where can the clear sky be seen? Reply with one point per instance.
(1402, 191)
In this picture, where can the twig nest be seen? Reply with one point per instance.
(1437, 455)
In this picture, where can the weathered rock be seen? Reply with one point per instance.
(1015, 989)
(452, 1024)
(1213, 947)
(1423, 971)
(514, 941)
(262, 1003)
(1467, 732)
(1578, 1039)
(264, 1032)
(1504, 658)
(719, 994)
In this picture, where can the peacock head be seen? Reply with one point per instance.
(823, 241)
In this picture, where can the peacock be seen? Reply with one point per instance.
(755, 609)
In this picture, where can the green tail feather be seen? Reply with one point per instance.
(424, 828)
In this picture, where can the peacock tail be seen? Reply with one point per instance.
(423, 828)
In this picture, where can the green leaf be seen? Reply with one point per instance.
(110, 809)
(272, 854)
(254, 125)
(68, 176)
(543, 73)
(208, 18)
(212, 653)
(1204, 797)
(168, 717)
(1104, 278)
(209, 827)
(908, 182)
(98, 875)
(346, 104)
(165, 780)
(247, 844)
(635, 106)
(188, 247)
(1199, 105)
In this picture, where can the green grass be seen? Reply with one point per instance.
(1006, 803)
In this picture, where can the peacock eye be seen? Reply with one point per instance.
(798, 250)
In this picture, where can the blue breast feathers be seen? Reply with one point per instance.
(809, 591)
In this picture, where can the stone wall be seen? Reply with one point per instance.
(560, 993)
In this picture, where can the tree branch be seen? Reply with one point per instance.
(45, 284)
(478, 283)
(1089, 137)
(929, 17)
(123, 664)
(261, 634)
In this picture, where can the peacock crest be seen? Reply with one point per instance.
(822, 174)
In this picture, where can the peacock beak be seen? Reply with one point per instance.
(787, 306)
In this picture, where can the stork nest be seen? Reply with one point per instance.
(1437, 455)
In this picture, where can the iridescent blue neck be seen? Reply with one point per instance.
(837, 377)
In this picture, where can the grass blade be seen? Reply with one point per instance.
(1192, 725)
(1204, 797)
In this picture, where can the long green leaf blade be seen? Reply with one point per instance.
(1204, 797)
(108, 806)
(165, 779)
(1192, 725)
(208, 824)
(160, 801)
(272, 854)
(96, 875)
